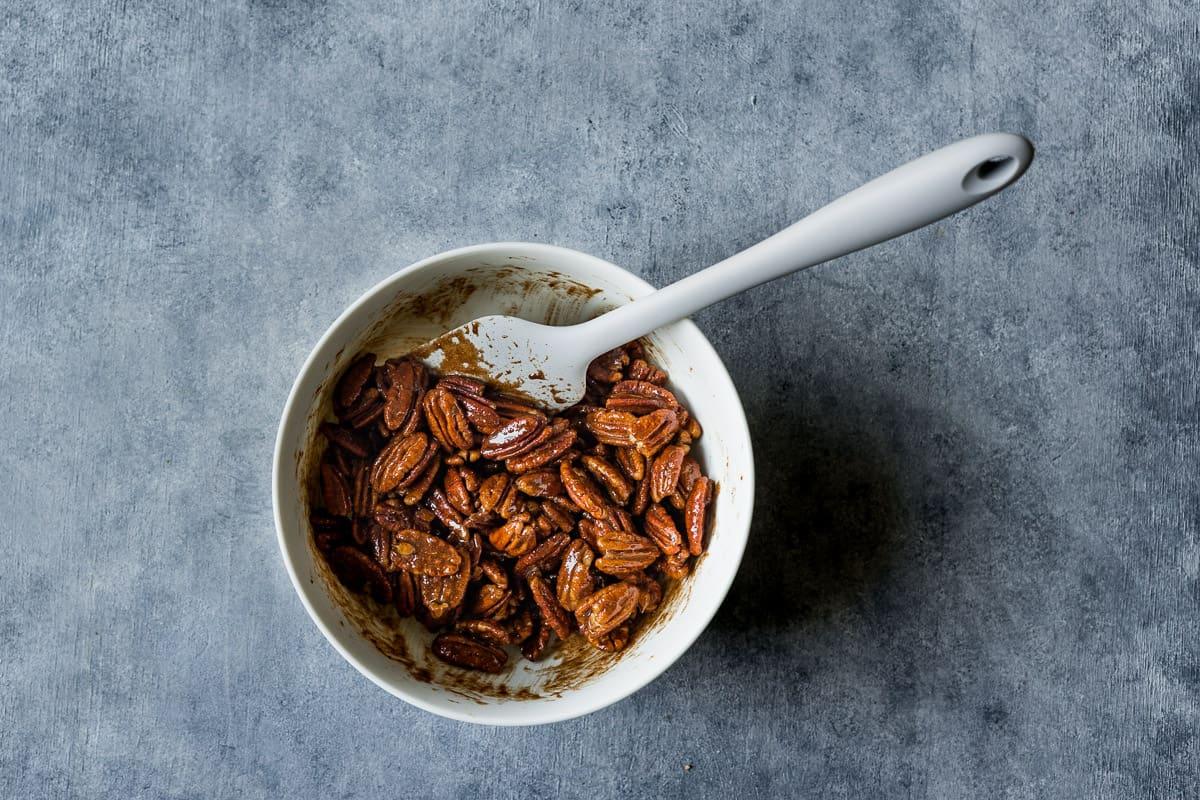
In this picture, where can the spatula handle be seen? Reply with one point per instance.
(917, 194)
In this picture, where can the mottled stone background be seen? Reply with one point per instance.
(975, 566)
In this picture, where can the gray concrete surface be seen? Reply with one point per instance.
(975, 568)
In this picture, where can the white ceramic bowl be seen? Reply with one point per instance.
(544, 284)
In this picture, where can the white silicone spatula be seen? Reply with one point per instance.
(549, 363)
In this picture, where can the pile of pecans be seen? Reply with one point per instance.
(497, 524)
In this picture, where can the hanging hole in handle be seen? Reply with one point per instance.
(990, 175)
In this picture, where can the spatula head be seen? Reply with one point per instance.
(545, 364)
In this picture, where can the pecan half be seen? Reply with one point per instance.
(401, 462)
(641, 498)
(442, 594)
(405, 387)
(617, 486)
(350, 387)
(543, 454)
(416, 491)
(665, 470)
(612, 427)
(358, 572)
(349, 441)
(404, 592)
(480, 414)
(655, 431)
(695, 518)
(552, 613)
(490, 601)
(461, 651)
(642, 370)
(540, 483)
(612, 642)
(518, 436)
(651, 592)
(640, 397)
(491, 490)
(575, 582)
(485, 630)
(624, 553)
(335, 491)
(631, 462)
(582, 490)
(661, 529)
(446, 420)
(457, 492)
(543, 557)
(604, 611)
(537, 645)
(423, 554)
(515, 537)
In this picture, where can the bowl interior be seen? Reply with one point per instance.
(542, 284)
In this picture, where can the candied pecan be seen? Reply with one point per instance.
(590, 530)
(416, 491)
(509, 407)
(654, 431)
(631, 462)
(692, 428)
(462, 651)
(516, 437)
(457, 492)
(615, 483)
(510, 502)
(401, 462)
(492, 490)
(380, 540)
(480, 414)
(494, 572)
(404, 592)
(640, 397)
(446, 420)
(368, 409)
(642, 370)
(543, 557)
(351, 384)
(520, 627)
(641, 497)
(623, 553)
(606, 368)
(582, 490)
(616, 428)
(446, 513)
(651, 592)
(393, 517)
(612, 642)
(552, 613)
(664, 471)
(515, 537)
(696, 514)
(442, 594)
(463, 385)
(358, 572)
(675, 566)
(349, 441)
(363, 496)
(688, 474)
(538, 644)
(661, 528)
(405, 387)
(423, 554)
(490, 600)
(540, 483)
(560, 516)
(543, 453)
(602, 612)
(334, 491)
(485, 630)
(575, 580)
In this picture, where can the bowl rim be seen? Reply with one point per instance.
(735, 420)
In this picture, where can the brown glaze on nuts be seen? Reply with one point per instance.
(496, 524)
